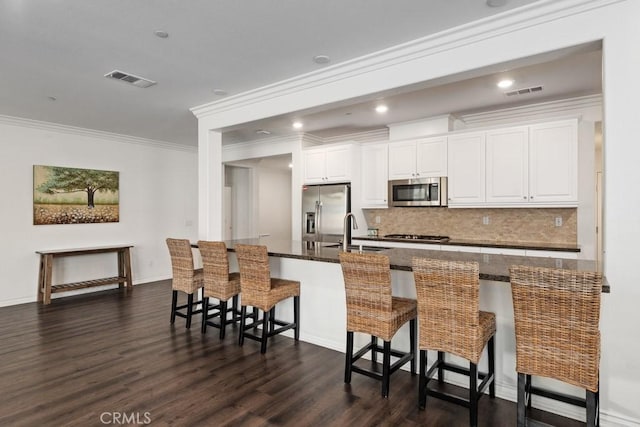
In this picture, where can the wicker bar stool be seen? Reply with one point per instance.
(185, 279)
(263, 292)
(557, 315)
(372, 310)
(451, 322)
(219, 284)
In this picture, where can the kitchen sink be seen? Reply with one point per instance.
(355, 248)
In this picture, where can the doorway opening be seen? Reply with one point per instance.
(257, 198)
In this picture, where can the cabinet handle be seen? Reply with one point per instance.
(531, 197)
(524, 197)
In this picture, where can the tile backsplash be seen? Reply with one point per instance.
(503, 225)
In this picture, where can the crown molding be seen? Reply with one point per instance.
(272, 146)
(55, 127)
(565, 107)
(467, 34)
(375, 135)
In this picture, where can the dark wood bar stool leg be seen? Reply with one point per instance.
(236, 313)
(386, 367)
(374, 346)
(473, 394)
(243, 316)
(522, 404)
(348, 358)
(422, 383)
(265, 330)
(205, 312)
(593, 402)
(189, 309)
(440, 367)
(412, 344)
(223, 318)
(272, 319)
(174, 304)
(296, 317)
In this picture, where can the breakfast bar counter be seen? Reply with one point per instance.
(492, 266)
(323, 305)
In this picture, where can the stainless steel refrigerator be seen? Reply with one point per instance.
(323, 211)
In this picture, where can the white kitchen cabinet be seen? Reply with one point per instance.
(514, 167)
(328, 164)
(507, 167)
(553, 162)
(466, 166)
(374, 168)
(420, 158)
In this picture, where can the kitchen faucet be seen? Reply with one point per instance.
(345, 243)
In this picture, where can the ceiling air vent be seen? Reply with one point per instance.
(524, 91)
(130, 78)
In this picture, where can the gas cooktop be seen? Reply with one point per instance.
(417, 237)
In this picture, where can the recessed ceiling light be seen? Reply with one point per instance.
(161, 33)
(382, 108)
(219, 92)
(297, 125)
(505, 83)
(290, 165)
(321, 59)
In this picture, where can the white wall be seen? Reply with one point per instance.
(274, 201)
(548, 26)
(158, 199)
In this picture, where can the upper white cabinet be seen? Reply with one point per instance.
(518, 166)
(421, 158)
(553, 162)
(374, 167)
(507, 173)
(466, 164)
(328, 164)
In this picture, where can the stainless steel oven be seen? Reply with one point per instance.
(418, 192)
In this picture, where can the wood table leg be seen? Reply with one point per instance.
(47, 271)
(41, 278)
(124, 266)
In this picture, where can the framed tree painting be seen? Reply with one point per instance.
(74, 196)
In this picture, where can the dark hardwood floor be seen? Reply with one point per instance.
(112, 358)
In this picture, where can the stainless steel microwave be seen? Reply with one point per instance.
(418, 192)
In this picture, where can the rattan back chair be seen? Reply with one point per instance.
(557, 315)
(186, 279)
(262, 292)
(219, 284)
(372, 310)
(450, 321)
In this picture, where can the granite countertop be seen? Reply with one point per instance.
(492, 267)
(542, 246)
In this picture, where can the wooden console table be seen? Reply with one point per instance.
(45, 288)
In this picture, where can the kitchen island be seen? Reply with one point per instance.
(492, 266)
(323, 308)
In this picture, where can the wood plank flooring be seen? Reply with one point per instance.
(111, 357)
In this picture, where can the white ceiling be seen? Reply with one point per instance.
(62, 49)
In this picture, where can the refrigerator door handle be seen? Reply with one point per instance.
(318, 230)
